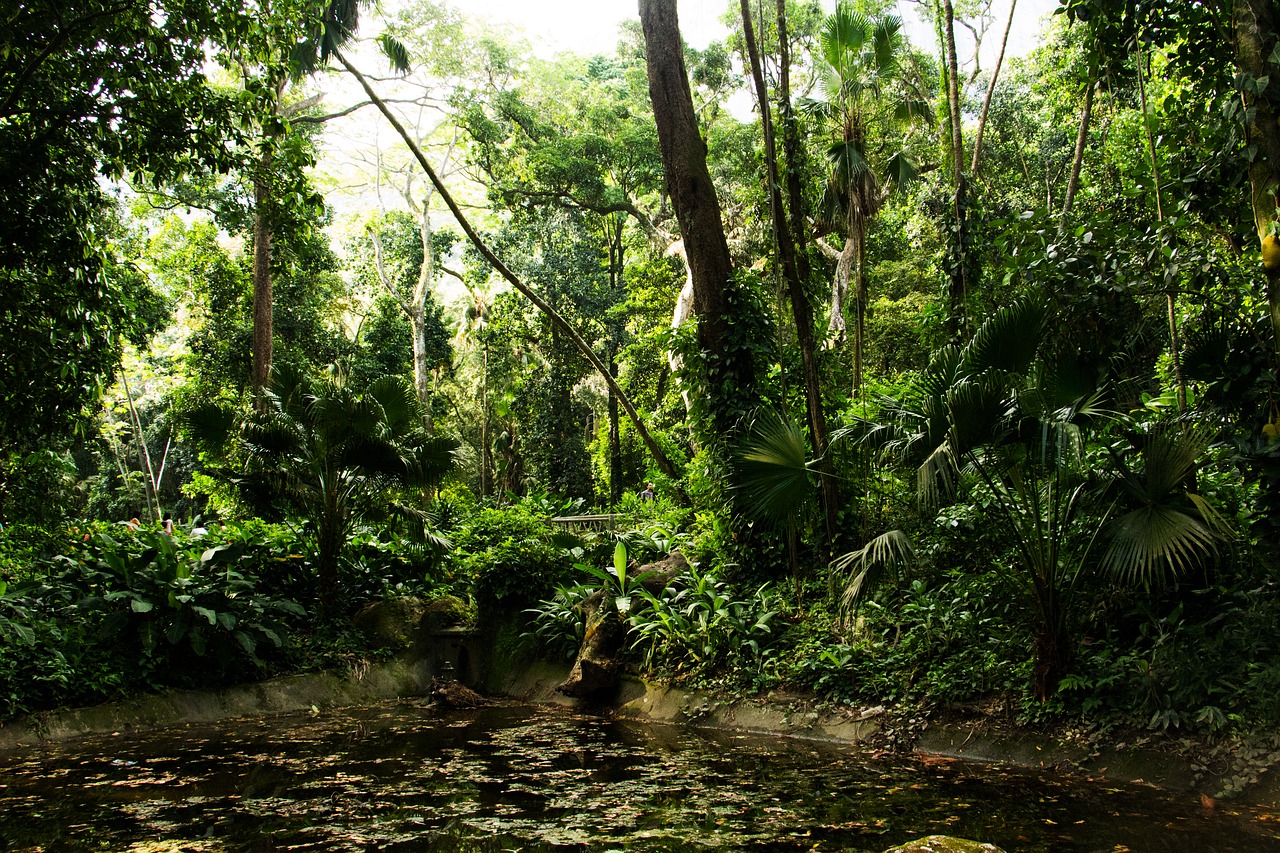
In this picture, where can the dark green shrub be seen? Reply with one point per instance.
(510, 558)
(122, 610)
(558, 625)
(700, 626)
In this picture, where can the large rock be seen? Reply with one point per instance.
(392, 622)
(944, 844)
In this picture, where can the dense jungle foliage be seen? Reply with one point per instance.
(955, 382)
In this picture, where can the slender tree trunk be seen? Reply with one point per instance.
(801, 310)
(614, 228)
(486, 453)
(1175, 340)
(615, 441)
(144, 453)
(960, 269)
(414, 309)
(991, 89)
(851, 259)
(1255, 31)
(693, 195)
(1077, 159)
(956, 142)
(660, 458)
(262, 297)
(418, 313)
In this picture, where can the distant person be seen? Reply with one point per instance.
(133, 523)
(167, 524)
(647, 494)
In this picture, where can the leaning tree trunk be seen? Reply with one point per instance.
(557, 320)
(1077, 159)
(991, 90)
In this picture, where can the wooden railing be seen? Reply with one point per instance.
(580, 523)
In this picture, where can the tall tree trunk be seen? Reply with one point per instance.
(1175, 342)
(693, 195)
(856, 252)
(1255, 31)
(414, 308)
(615, 440)
(418, 312)
(262, 297)
(486, 451)
(1077, 159)
(991, 89)
(659, 458)
(959, 272)
(795, 270)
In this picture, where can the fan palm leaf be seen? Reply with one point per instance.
(773, 471)
(864, 570)
(1171, 530)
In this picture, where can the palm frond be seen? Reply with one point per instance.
(401, 411)
(773, 472)
(911, 110)
(1152, 542)
(843, 34)
(1008, 340)
(979, 411)
(431, 457)
(937, 476)
(848, 163)
(1171, 455)
(396, 53)
(901, 170)
(886, 44)
(272, 435)
(865, 569)
(210, 425)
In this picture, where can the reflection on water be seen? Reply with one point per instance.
(405, 777)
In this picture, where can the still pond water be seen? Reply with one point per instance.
(407, 777)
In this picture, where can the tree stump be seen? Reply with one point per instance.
(598, 666)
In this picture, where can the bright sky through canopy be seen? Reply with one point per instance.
(591, 26)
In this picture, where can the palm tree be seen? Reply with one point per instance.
(330, 455)
(865, 92)
(994, 415)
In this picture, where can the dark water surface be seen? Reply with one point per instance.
(405, 777)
